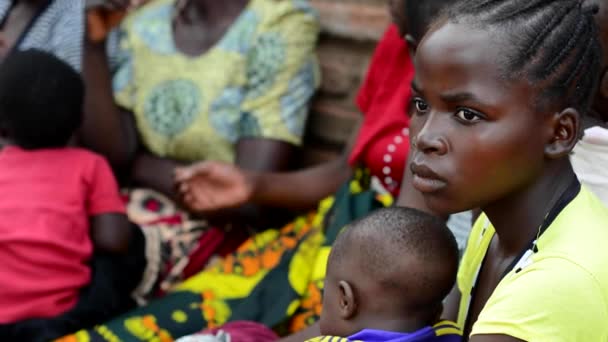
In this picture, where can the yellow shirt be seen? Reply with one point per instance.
(561, 293)
(255, 82)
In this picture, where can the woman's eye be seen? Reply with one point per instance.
(468, 116)
(421, 106)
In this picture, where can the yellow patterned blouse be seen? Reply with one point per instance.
(256, 82)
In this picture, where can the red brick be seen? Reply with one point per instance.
(341, 64)
(332, 122)
(360, 21)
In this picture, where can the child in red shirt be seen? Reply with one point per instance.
(58, 204)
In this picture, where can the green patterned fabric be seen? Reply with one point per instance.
(274, 278)
(255, 82)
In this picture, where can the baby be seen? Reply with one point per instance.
(58, 205)
(387, 276)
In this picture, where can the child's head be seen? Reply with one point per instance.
(41, 100)
(388, 271)
(497, 97)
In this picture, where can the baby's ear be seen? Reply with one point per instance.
(348, 302)
(565, 128)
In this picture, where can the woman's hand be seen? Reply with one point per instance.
(212, 185)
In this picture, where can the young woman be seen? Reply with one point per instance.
(500, 91)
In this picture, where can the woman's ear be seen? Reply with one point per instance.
(566, 128)
(348, 302)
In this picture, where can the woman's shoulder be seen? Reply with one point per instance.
(578, 236)
(549, 298)
(580, 228)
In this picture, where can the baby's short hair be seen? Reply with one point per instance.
(41, 99)
(402, 249)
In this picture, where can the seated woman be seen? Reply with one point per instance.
(276, 276)
(55, 26)
(500, 92)
(197, 80)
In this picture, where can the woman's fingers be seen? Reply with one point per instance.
(183, 174)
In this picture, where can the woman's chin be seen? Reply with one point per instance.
(443, 205)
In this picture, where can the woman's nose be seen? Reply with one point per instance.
(430, 138)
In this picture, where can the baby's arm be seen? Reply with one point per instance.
(110, 233)
(110, 230)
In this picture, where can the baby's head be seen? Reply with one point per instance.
(41, 100)
(388, 271)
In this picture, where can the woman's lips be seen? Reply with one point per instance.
(426, 180)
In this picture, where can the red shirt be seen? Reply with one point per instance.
(383, 142)
(48, 197)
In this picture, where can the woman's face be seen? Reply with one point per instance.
(477, 137)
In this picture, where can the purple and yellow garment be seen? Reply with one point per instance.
(444, 331)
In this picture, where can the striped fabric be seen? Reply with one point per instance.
(445, 328)
(58, 30)
(330, 339)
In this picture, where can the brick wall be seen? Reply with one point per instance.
(350, 30)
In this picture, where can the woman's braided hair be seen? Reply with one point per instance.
(553, 43)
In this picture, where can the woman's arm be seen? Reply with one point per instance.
(283, 190)
(210, 186)
(105, 128)
(156, 173)
(110, 233)
(301, 190)
(111, 131)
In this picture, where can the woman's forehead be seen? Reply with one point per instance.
(458, 44)
(455, 57)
